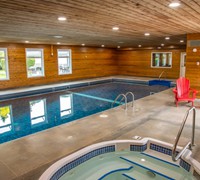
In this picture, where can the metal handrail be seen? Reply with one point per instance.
(124, 98)
(162, 74)
(133, 97)
(189, 144)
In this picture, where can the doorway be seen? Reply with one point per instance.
(182, 64)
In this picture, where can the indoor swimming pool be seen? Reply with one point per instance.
(22, 116)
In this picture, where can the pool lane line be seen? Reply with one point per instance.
(156, 172)
(113, 171)
(129, 177)
(153, 157)
(94, 97)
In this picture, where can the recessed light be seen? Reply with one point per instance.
(118, 47)
(139, 45)
(167, 38)
(82, 44)
(194, 50)
(147, 34)
(159, 47)
(143, 160)
(58, 42)
(103, 115)
(115, 28)
(26, 41)
(58, 36)
(174, 4)
(102, 45)
(181, 41)
(62, 18)
(162, 44)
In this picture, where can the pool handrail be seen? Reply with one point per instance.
(133, 96)
(162, 74)
(189, 144)
(124, 98)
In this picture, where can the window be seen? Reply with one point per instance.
(161, 59)
(38, 112)
(5, 119)
(64, 61)
(34, 62)
(4, 75)
(66, 106)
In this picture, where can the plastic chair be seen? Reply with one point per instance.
(183, 92)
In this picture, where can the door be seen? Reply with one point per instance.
(182, 64)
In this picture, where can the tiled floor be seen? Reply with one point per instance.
(155, 116)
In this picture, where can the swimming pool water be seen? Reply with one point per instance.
(23, 116)
(127, 165)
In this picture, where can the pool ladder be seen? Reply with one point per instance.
(189, 145)
(124, 97)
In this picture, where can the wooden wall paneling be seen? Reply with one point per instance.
(192, 69)
(85, 64)
(138, 63)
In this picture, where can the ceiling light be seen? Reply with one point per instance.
(26, 41)
(115, 28)
(147, 34)
(159, 47)
(62, 18)
(139, 45)
(102, 45)
(167, 38)
(174, 4)
(58, 42)
(194, 50)
(82, 44)
(181, 41)
(120, 42)
(143, 160)
(162, 44)
(118, 47)
(58, 36)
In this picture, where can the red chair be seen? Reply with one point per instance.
(183, 92)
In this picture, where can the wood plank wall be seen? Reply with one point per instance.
(192, 69)
(138, 63)
(87, 62)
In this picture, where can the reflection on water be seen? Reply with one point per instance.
(66, 105)
(5, 119)
(24, 116)
(38, 112)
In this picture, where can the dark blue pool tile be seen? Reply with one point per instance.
(185, 165)
(161, 149)
(78, 85)
(101, 82)
(139, 148)
(130, 81)
(82, 159)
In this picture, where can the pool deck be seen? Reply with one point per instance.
(155, 116)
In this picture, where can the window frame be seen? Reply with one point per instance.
(6, 61)
(70, 61)
(42, 63)
(159, 60)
